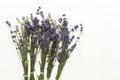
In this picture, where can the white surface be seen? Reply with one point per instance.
(97, 57)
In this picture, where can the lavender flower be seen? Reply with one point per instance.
(44, 36)
(35, 21)
(65, 22)
(8, 23)
(81, 29)
(78, 37)
(72, 29)
(60, 20)
(76, 26)
(64, 15)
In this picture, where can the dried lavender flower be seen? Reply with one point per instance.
(8, 23)
(47, 37)
(76, 26)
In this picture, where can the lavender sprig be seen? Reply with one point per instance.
(47, 37)
(20, 41)
(66, 41)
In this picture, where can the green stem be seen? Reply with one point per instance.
(25, 77)
(42, 66)
(41, 77)
(60, 68)
(50, 64)
(24, 52)
(25, 66)
(49, 69)
(32, 70)
(32, 76)
(61, 62)
(32, 63)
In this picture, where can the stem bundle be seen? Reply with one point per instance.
(35, 36)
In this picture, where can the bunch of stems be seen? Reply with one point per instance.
(52, 40)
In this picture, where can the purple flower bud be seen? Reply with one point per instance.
(32, 28)
(14, 41)
(23, 18)
(8, 23)
(81, 29)
(11, 31)
(81, 24)
(39, 7)
(73, 37)
(72, 29)
(15, 31)
(60, 20)
(26, 27)
(52, 31)
(37, 10)
(64, 34)
(78, 37)
(64, 15)
(73, 47)
(76, 26)
(41, 13)
(31, 16)
(47, 23)
(66, 54)
(13, 36)
(35, 20)
(65, 22)
(55, 37)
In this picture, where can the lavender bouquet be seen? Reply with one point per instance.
(52, 39)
